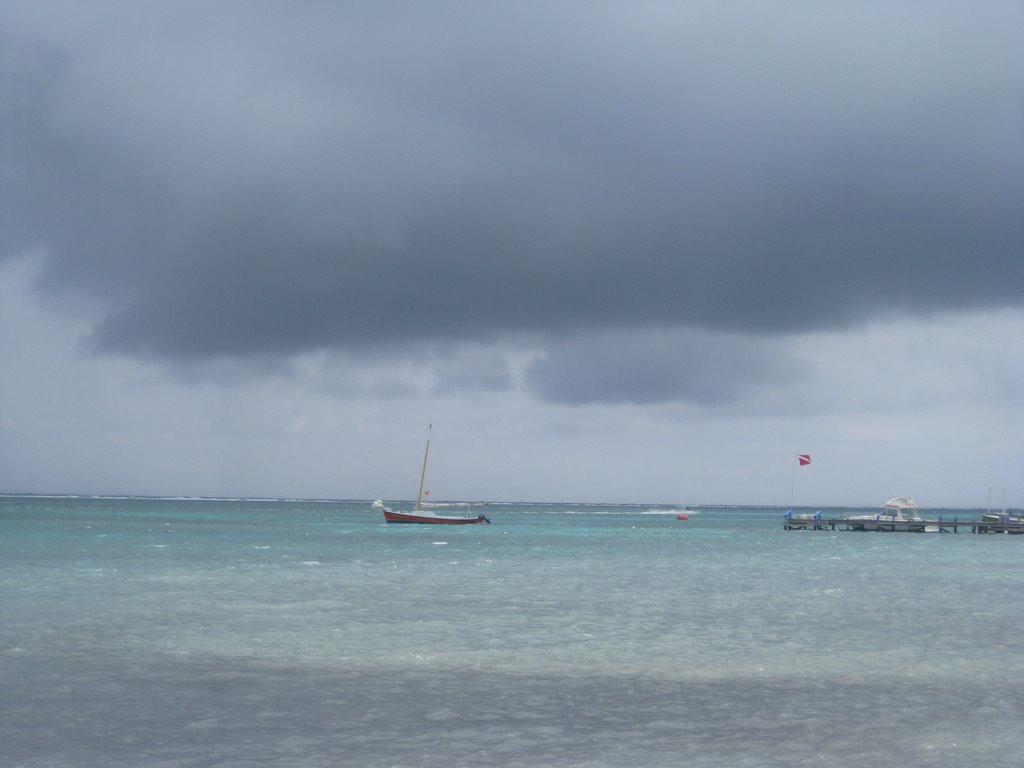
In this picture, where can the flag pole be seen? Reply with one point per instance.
(792, 483)
(800, 460)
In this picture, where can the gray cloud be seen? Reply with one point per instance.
(659, 365)
(244, 183)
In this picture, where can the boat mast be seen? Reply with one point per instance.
(423, 473)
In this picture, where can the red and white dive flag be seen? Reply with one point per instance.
(804, 459)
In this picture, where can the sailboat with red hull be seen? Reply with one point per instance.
(421, 515)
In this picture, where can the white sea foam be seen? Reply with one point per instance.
(670, 511)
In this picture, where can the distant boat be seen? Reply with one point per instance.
(426, 516)
(1005, 516)
(421, 515)
(801, 522)
(897, 510)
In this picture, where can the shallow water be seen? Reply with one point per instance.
(192, 633)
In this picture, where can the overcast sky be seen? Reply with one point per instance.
(625, 252)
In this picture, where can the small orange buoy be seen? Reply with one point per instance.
(682, 517)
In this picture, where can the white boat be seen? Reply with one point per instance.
(427, 514)
(1004, 515)
(898, 513)
(901, 508)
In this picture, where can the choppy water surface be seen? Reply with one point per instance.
(187, 633)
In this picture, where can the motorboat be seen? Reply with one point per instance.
(801, 522)
(898, 513)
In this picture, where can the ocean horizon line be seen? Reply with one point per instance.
(671, 506)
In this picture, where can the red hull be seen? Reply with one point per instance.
(402, 517)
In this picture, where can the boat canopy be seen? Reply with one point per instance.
(897, 505)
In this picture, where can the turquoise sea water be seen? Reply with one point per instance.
(193, 633)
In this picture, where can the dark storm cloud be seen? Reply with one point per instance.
(253, 180)
(613, 367)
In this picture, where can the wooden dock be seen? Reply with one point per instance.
(880, 524)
